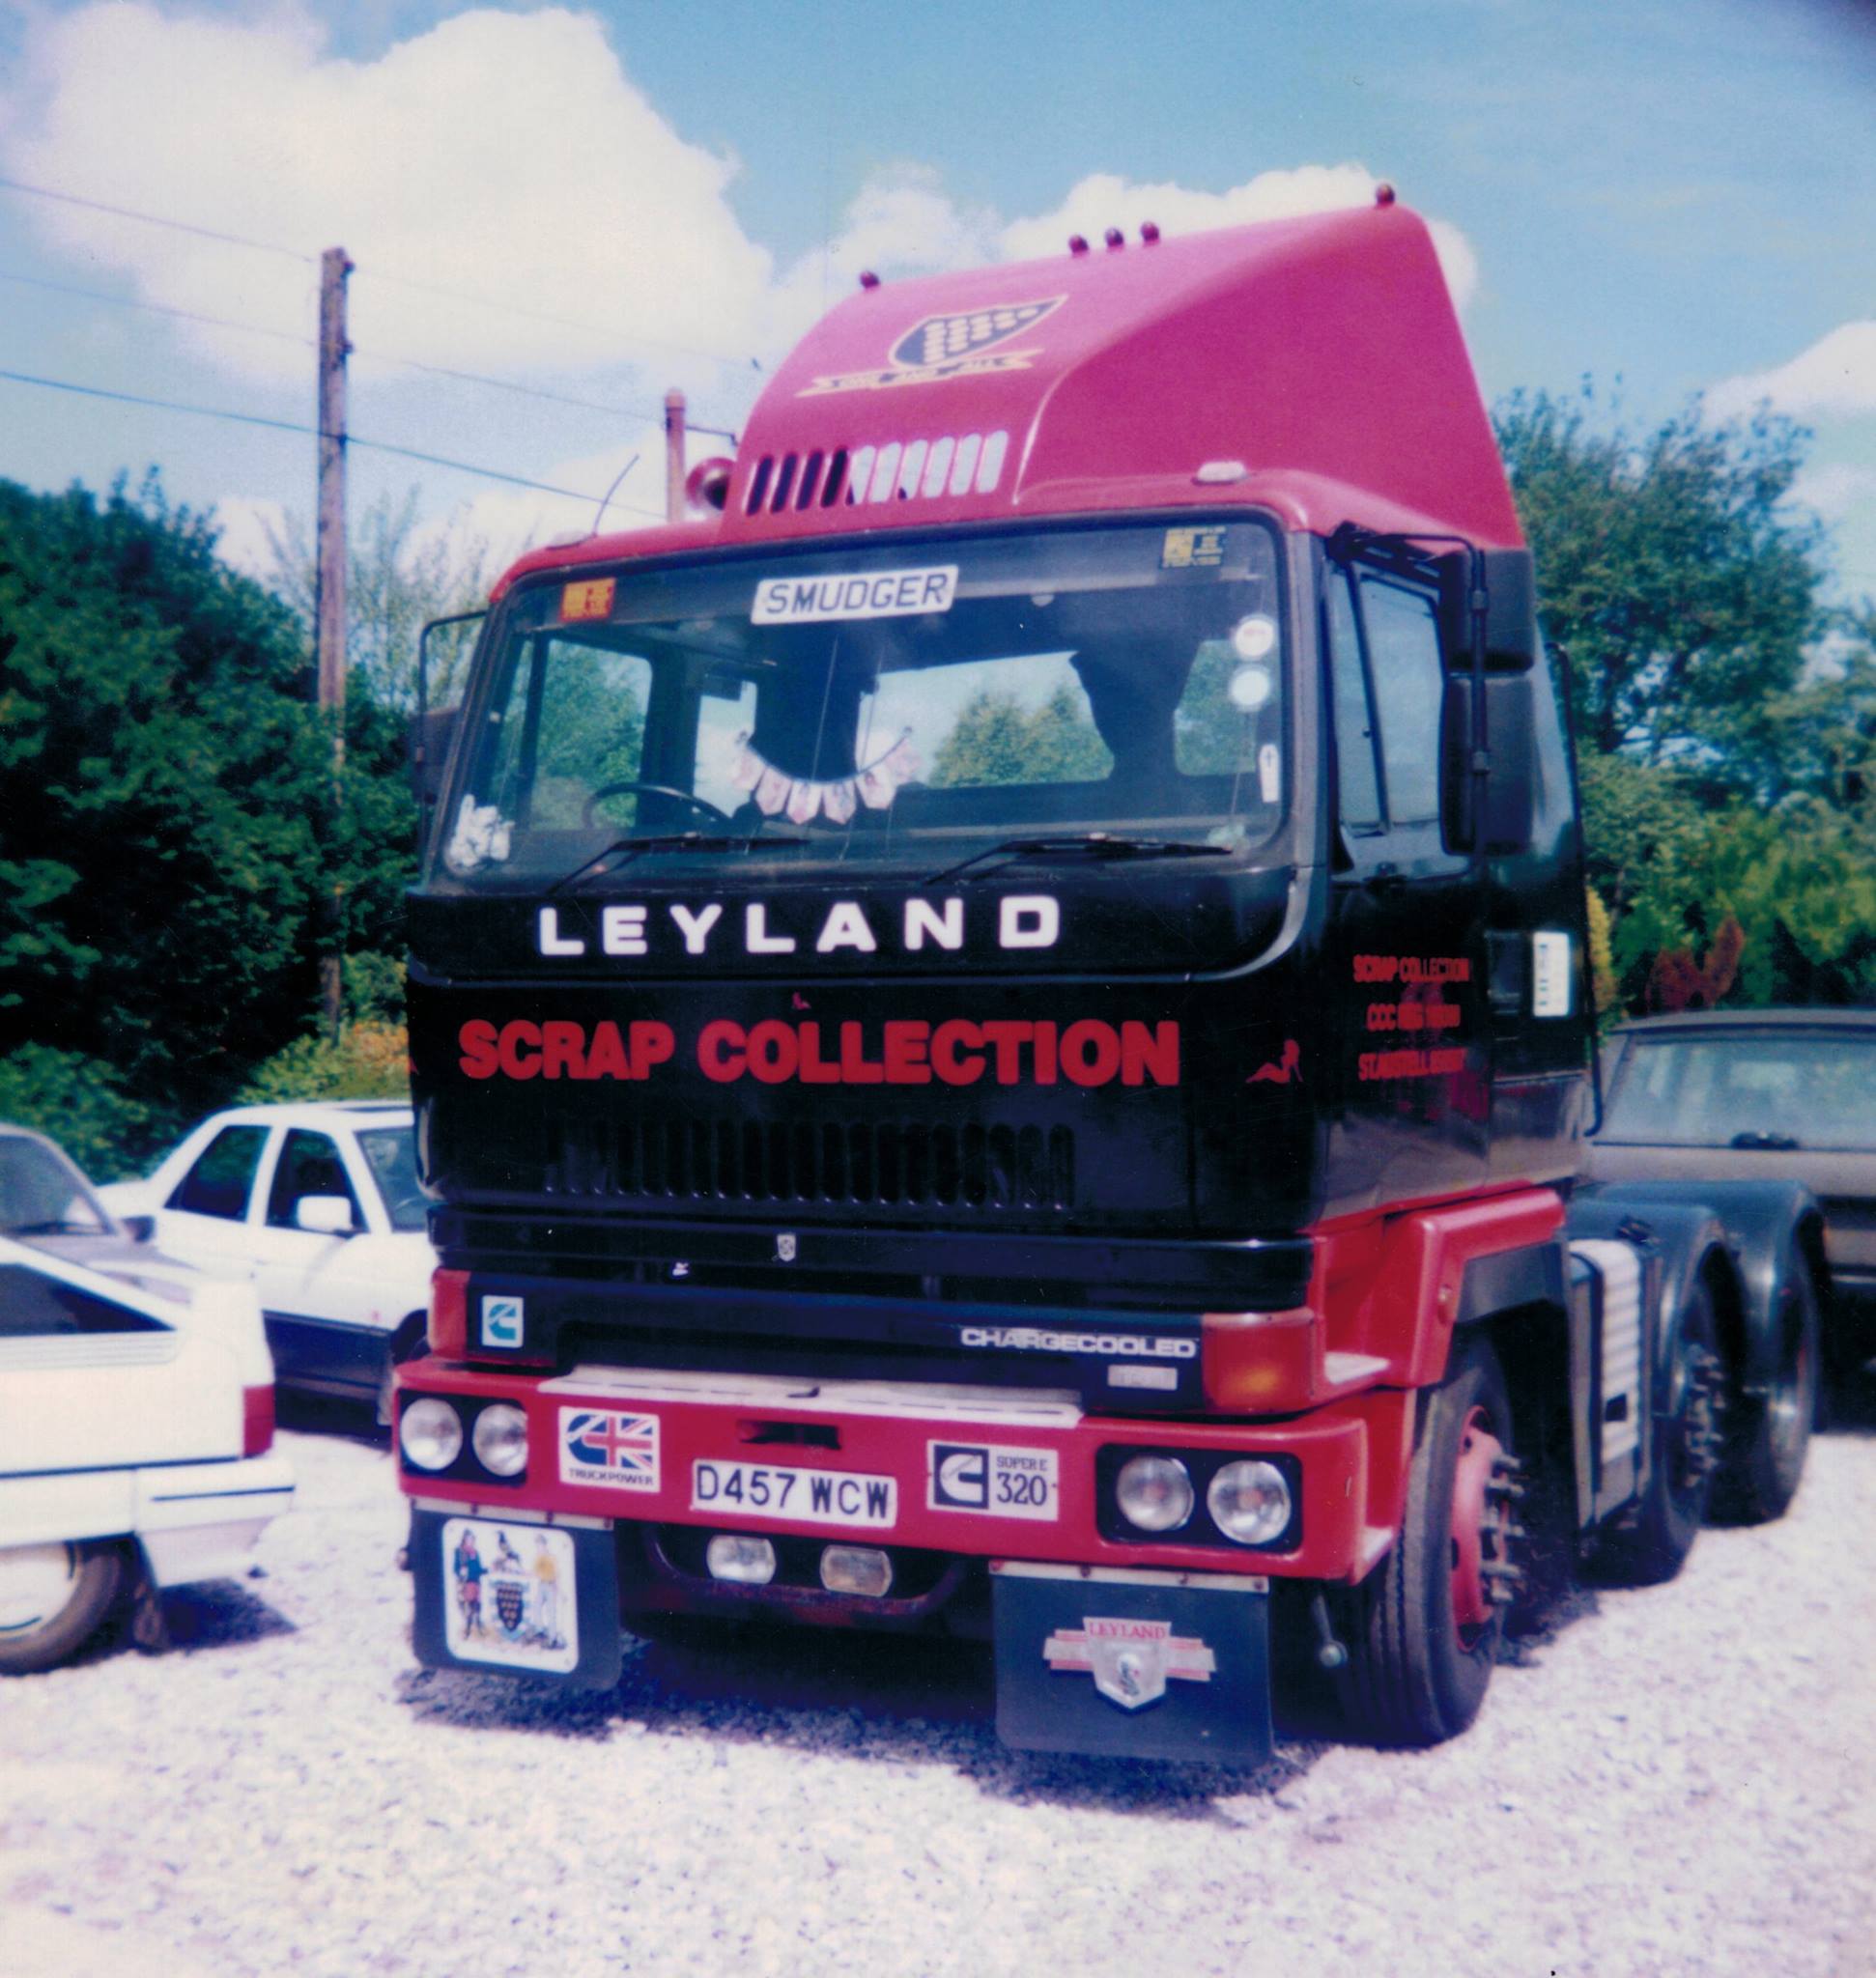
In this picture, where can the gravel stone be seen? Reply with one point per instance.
(1674, 1782)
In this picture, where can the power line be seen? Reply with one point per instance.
(405, 281)
(435, 460)
(648, 415)
(153, 219)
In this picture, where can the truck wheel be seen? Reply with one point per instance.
(52, 1598)
(1770, 1435)
(1652, 1545)
(1430, 1616)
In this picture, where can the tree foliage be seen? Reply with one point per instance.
(171, 832)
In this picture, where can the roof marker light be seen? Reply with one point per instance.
(1076, 245)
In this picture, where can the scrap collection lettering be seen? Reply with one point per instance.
(898, 1052)
(1420, 982)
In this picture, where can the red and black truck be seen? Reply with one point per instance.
(1000, 1035)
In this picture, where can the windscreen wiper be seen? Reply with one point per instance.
(1098, 846)
(623, 850)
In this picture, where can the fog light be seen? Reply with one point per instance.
(748, 1562)
(501, 1440)
(856, 1569)
(1249, 1502)
(430, 1433)
(1155, 1494)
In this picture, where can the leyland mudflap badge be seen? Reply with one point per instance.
(964, 344)
(1129, 1660)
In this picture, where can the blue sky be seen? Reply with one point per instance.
(1681, 197)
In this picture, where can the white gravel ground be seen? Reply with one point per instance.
(1677, 1783)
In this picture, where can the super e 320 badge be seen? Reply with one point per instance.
(966, 344)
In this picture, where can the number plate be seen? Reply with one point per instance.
(814, 1497)
(509, 1595)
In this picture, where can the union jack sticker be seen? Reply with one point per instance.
(617, 1452)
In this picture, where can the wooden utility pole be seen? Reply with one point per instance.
(329, 604)
(674, 456)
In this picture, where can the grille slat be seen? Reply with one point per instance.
(889, 1164)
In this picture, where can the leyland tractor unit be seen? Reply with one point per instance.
(1000, 1036)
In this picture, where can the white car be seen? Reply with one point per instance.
(137, 1433)
(318, 1204)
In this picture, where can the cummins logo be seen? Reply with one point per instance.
(1023, 1339)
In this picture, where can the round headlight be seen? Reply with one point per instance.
(431, 1432)
(501, 1440)
(1155, 1494)
(1249, 1502)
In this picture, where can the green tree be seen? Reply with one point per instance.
(1675, 574)
(168, 830)
(998, 740)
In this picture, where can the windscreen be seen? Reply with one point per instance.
(876, 704)
(1808, 1090)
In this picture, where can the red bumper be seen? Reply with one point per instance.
(620, 1444)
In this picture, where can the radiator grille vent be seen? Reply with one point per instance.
(815, 1160)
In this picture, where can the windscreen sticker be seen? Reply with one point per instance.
(1190, 549)
(875, 594)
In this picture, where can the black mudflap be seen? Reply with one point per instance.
(510, 1596)
(1133, 1664)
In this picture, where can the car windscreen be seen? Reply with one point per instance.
(918, 701)
(390, 1153)
(41, 1194)
(1800, 1088)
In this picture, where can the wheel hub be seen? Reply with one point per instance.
(1485, 1488)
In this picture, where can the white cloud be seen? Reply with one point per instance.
(499, 154)
(1105, 199)
(1838, 374)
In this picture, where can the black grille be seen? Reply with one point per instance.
(648, 1158)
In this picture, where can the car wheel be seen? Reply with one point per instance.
(1652, 1545)
(52, 1598)
(1430, 1616)
(405, 1343)
(1771, 1434)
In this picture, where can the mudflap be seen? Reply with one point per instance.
(1123, 1663)
(505, 1596)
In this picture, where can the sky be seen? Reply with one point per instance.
(597, 202)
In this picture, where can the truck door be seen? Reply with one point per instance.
(1406, 950)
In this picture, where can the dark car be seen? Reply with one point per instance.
(1715, 1096)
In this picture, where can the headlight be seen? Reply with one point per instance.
(431, 1433)
(1155, 1494)
(1249, 1502)
(501, 1440)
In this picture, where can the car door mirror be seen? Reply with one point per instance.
(325, 1215)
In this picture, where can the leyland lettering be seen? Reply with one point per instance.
(1003, 1008)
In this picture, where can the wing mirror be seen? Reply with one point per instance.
(325, 1215)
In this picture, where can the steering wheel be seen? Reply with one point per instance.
(700, 805)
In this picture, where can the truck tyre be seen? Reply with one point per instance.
(1770, 1434)
(1654, 1541)
(52, 1598)
(1428, 1620)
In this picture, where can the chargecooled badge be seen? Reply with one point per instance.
(1129, 1660)
(618, 1451)
(966, 344)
